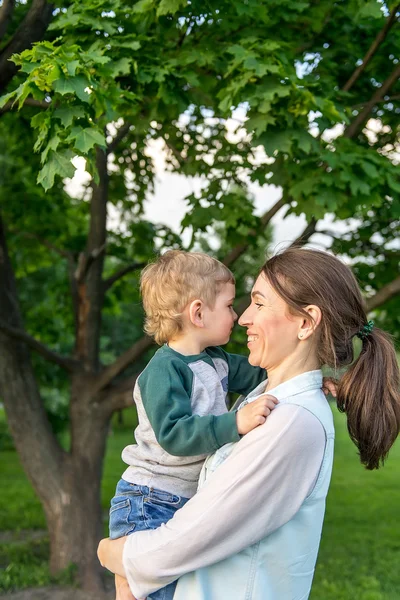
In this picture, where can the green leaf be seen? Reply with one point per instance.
(68, 114)
(52, 145)
(359, 186)
(302, 188)
(41, 121)
(28, 67)
(71, 67)
(394, 185)
(7, 97)
(58, 163)
(64, 86)
(74, 85)
(26, 91)
(143, 6)
(305, 141)
(370, 169)
(130, 44)
(170, 7)
(370, 10)
(281, 141)
(259, 123)
(87, 138)
(121, 67)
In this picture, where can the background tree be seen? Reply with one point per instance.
(318, 83)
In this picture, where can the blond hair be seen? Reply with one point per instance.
(174, 280)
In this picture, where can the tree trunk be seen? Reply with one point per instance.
(36, 444)
(74, 516)
(67, 483)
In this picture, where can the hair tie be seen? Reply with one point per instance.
(366, 330)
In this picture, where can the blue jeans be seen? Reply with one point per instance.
(137, 507)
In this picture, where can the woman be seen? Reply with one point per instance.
(253, 529)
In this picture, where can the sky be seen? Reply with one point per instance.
(166, 205)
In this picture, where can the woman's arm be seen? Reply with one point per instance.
(260, 486)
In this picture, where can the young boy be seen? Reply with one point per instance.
(181, 394)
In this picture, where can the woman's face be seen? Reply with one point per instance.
(272, 332)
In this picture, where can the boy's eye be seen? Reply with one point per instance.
(258, 305)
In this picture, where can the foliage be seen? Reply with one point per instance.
(175, 71)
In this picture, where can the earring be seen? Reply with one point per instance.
(300, 335)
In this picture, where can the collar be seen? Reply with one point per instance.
(311, 380)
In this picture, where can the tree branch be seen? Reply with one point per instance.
(390, 99)
(28, 102)
(354, 127)
(384, 294)
(67, 363)
(89, 272)
(121, 273)
(175, 152)
(307, 233)
(119, 396)
(30, 30)
(43, 242)
(6, 11)
(85, 260)
(372, 49)
(121, 133)
(117, 367)
(265, 219)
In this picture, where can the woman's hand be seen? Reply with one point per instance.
(109, 554)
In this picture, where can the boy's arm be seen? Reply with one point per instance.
(258, 488)
(242, 377)
(166, 396)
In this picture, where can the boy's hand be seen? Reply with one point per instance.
(255, 413)
(329, 386)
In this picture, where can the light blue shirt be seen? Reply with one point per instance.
(252, 531)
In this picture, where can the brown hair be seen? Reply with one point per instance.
(174, 280)
(369, 391)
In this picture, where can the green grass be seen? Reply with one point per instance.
(360, 550)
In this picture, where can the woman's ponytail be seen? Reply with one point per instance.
(369, 394)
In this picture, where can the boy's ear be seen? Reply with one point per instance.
(196, 313)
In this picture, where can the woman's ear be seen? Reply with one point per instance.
(309, 325)
(196, 313)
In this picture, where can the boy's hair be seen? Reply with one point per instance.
(174, 280)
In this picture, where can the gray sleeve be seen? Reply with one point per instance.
(276, 465)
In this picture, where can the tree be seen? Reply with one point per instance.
(103, 84)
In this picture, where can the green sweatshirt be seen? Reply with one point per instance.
(181, 403)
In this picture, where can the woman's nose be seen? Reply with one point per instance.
(244, 319)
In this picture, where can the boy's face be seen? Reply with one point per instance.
(220, 321)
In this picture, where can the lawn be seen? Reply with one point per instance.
(360, 550)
